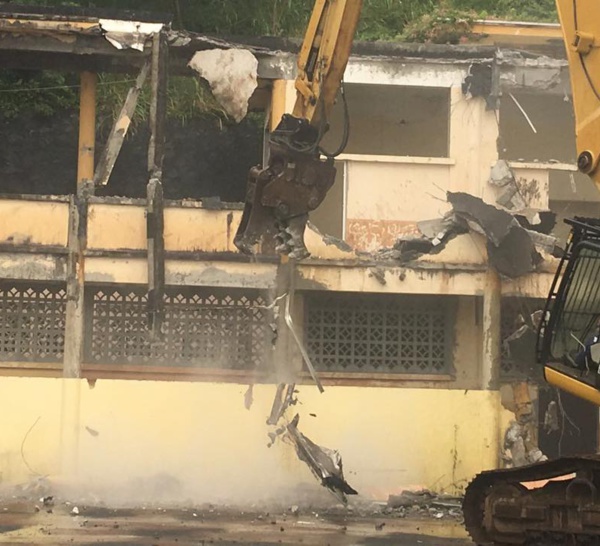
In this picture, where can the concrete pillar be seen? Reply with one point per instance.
(491, 338)
(74, 334)
(70, 424)
(473, 143)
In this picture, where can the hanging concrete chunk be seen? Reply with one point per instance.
(232, 75)
(511, 250)
(325, 464)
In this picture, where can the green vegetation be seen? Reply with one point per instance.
(45, 93)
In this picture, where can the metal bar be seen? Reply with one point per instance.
(119, 130)
(303, 351)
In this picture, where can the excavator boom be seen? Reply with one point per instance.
(296, 179)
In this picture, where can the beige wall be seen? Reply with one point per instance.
(197, 441)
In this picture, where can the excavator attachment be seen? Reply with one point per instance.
(280, 196)
(296, 179)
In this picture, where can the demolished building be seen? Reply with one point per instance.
(138, 319)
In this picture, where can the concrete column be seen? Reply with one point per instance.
(491, 338)
(74, 327)
(473, 143)
(70, 424)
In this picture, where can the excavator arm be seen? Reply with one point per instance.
(299, 173)
(572, 313)
(580, 21)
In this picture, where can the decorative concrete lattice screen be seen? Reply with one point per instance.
(204, 327)
(32, 321)
(512, 309)
(380, 333)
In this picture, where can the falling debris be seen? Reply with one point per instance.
(248, 397)
(325, 464)
(232, 75)
(282, 402)
(93, 432)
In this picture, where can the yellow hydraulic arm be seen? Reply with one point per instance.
(567, 339)
(580, 21)
(296, 179)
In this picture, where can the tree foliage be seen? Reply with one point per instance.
(439, 21)
(380, 19)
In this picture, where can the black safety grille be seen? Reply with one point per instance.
(380, 333)
(32, 321)
(204, 327)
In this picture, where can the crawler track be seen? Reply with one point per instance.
(500, 510)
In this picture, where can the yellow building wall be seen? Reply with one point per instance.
(197, 440)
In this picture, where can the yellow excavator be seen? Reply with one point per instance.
(551, 502)
(558, 501)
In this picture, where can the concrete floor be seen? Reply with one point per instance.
(21, 523)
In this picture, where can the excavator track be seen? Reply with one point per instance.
(547, 503)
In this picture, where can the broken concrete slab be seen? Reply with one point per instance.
(516, 255)
(324, 463)
(232, 75)
(511, 250)
(495, 223)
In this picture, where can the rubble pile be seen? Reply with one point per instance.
(424, 504)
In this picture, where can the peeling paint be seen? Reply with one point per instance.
(33, 267)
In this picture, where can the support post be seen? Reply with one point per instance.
(492, 337)
(77, 241)
(73, 353)
(155, 206)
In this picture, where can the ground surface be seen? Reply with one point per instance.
(27, 522)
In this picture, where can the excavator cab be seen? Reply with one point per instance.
(569, 333)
